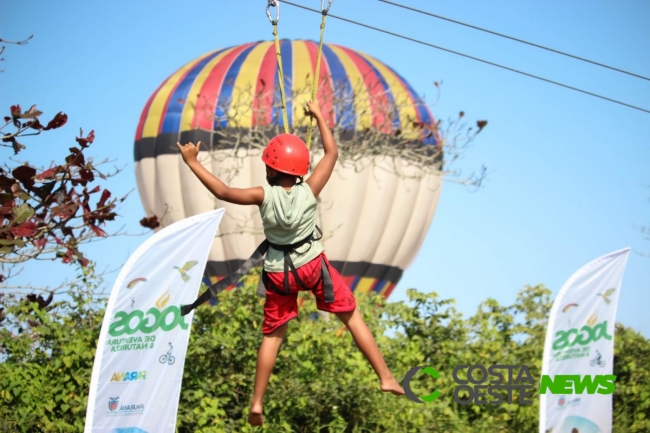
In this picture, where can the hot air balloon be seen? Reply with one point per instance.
(378, 205)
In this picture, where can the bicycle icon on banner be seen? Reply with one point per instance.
(167, 358)
(597, 360)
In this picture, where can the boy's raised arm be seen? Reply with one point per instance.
(220, 190)
(323, 171)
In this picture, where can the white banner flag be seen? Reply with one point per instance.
(138, 369)
(580, 342)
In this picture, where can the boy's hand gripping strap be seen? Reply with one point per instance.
(220, 286)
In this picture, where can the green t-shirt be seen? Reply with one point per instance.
(287, 217)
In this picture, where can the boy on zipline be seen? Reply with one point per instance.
(288, 209)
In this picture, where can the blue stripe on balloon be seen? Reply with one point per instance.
(286, 51)
(343, 90)
(425, 115)
(226, 88)
(379, 286)
(387, 91)
(174, 111)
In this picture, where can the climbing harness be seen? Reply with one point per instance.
(262, 248)
(257, 256)
(288, 264)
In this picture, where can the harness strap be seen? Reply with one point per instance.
(325, 277)
(288, 265)
(258, 254)
(220, 286)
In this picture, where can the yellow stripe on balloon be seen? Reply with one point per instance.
(240, 113)
(193, 95)
(402, 97)
(303, 79)
(362, 107)
(159, 104)
(364, 285)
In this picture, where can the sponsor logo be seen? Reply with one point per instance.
(185, 269)
(576, 384)
(564, 402)
(129, 376)
(117, 409)
(590, 333)
(167, 358)
(113, 403)
(148, 322)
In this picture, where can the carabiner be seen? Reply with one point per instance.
(273, 3)
(322, 6)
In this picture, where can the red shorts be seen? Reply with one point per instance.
(279, 309)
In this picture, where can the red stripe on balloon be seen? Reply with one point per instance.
(207, 99)
(379, 102)
(389, 290)
(262, 113)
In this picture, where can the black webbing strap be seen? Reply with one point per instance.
(220, 286)
(288, 263)
(327, 282)
(259, 253)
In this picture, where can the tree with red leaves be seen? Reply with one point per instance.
(47, 213)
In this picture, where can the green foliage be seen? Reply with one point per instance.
(48, 355)
(321, 382)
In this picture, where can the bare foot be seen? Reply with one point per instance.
(255, 416)
(391, 385)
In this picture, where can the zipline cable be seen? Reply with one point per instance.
(470, 57)
(514, 39)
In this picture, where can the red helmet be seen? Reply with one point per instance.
(287, 153)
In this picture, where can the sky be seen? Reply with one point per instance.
(568, 174)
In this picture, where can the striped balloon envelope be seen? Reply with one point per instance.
(374, 216)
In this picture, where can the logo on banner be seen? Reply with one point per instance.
(563, 402)
(124, 410)
(606, 295)
(129, 376)
(167, 358)
(160, 316)
(598, 360)
(135, 281)
(185, 268)
(574, 343)
(113, 403)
